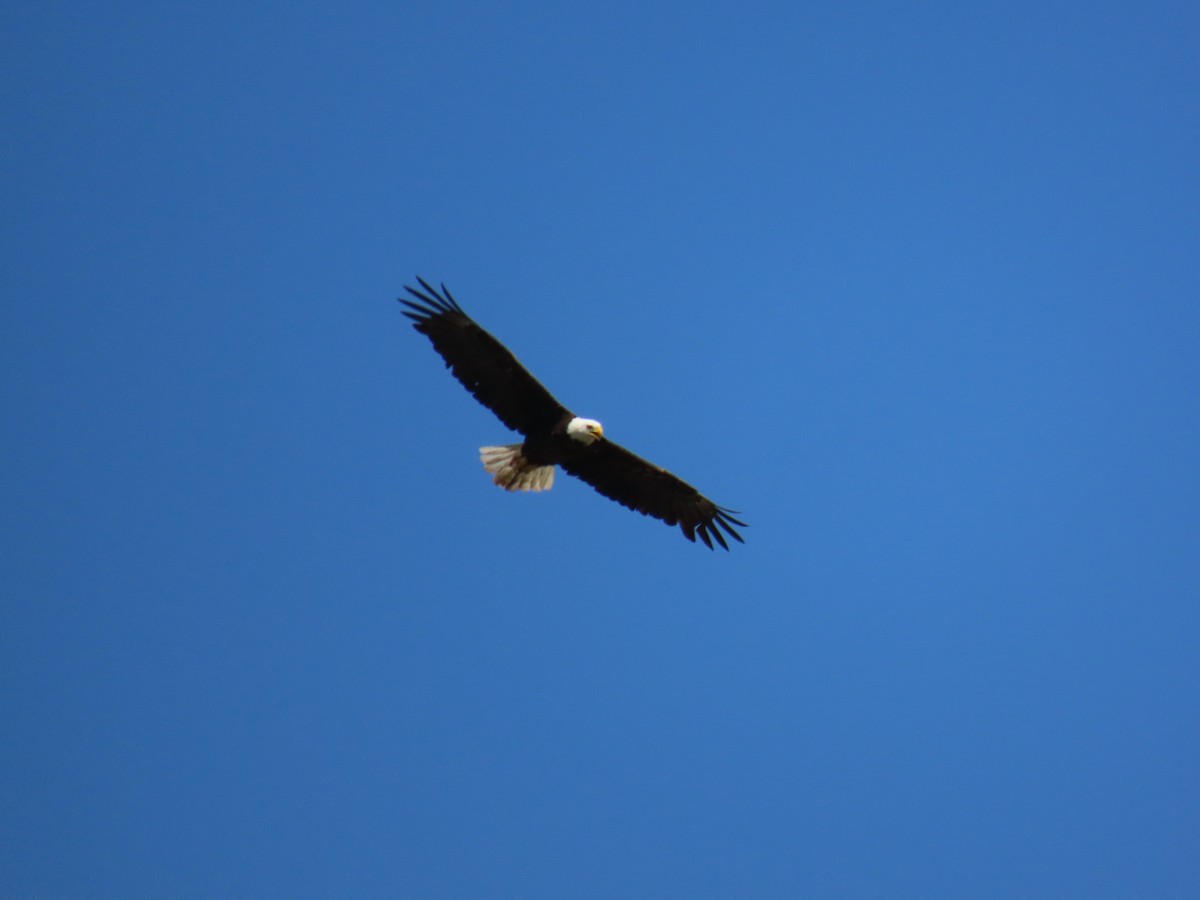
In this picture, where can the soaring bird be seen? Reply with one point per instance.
(554, 436)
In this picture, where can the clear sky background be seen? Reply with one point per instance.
(914, 287)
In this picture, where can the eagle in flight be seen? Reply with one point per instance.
(555, 436)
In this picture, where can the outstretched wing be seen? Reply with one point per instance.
(483, 365)
(653, 491)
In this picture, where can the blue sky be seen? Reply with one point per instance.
(915, 289)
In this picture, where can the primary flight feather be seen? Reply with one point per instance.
(554, 436)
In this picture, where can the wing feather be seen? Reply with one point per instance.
(484, 366)
(651, 490)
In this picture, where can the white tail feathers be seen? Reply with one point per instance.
(512, 471)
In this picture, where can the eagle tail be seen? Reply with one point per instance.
(512, 471)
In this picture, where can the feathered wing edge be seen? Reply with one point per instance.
(720, 516)
(484, 366)
(442, 302)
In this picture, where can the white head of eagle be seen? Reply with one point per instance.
(586, 431)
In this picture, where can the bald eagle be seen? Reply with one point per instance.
(554, 436)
